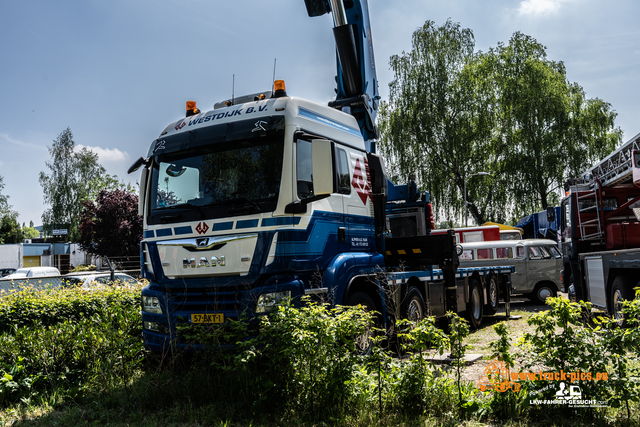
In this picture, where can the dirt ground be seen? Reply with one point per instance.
(521, 309)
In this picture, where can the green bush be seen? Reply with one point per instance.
(569, 339)
(68, 342)
(48, 307)
(296, 366)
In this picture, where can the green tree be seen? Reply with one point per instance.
(10, 231)
(453, 112)
(439, 119)
(30, 233)
(68, 184)
(556, 132)
(5, 207)
(109, 183)
(9, 228)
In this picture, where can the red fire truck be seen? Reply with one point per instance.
(601, 230)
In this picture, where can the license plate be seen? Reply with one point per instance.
(207, 318)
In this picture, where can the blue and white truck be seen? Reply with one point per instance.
(269, 196)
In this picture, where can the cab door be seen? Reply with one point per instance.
(325, 222)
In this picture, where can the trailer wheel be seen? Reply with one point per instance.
(363, 342)
(413, 307)
(621, 289)
(474, 307)
(543, 291)
(493, 296)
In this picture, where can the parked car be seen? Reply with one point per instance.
(28, 272)
(537, 262)
(6, 271)
(96, 280)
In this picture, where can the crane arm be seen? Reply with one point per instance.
(357, 90)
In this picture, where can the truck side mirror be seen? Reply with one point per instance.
(636, 167)
(551, 215)
(143, 191)
(321, 150)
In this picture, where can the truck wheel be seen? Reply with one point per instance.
(621, 289)
(493, 296)
(474, 307)
(543, 291)
(363, 342)
(413, 307)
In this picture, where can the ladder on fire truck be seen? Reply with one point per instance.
(616, 168)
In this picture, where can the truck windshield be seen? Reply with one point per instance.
(214, 183)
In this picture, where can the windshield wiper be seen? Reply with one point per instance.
(187, 205)
(240, 200)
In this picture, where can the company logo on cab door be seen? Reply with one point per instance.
(359, 183)
(202, 227)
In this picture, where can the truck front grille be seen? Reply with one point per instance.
(231, 302)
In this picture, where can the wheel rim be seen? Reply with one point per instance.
(617, 305)
(414, 311)
(476, 306)
(544, 293)
(493, 293)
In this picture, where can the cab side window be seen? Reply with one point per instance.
(520, 253)
(304, 169)
(342, 172)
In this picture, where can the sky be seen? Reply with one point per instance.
(118, 72)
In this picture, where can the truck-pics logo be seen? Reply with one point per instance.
(359, 183)
(202, 227)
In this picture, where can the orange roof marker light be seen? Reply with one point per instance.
(192, 110)
(279, 89)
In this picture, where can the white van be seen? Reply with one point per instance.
(537, 263)
(28, 272)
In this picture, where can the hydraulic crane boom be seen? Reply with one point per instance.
(357, 91)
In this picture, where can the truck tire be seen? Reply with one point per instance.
(621, 289)
(363, 342)
(413, 307)
(475, 305)
(542, 291)
(493, 296)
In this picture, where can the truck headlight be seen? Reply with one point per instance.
(268, 302)
(151, 305)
